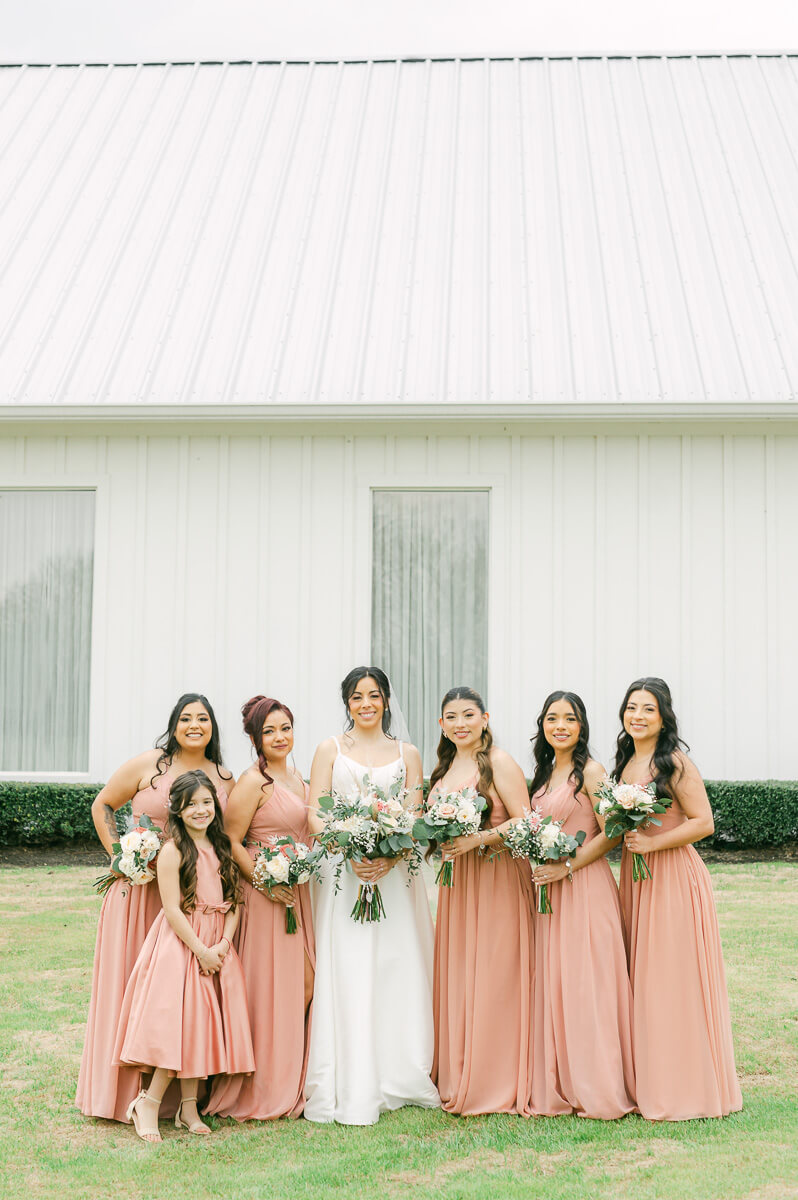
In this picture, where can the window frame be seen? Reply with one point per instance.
(99, 484)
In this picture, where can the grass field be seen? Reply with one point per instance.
(47, 925)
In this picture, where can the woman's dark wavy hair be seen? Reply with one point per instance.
(168, 744)
(666, 769)
(255, 713)
(349, 685)
(181, 791)
(447, 750)
(544, 752)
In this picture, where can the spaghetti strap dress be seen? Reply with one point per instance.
(371, 1042)
(484, 971)
(582, 1059)
(126, 916)
(173, 1016)
(274, 971)
(684, 1056)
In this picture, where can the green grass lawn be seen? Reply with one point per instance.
(47, 925)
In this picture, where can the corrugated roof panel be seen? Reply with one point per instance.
(525, 231)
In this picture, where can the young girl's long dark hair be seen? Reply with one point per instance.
(666, 770)
(181, 791)
(255, 712)
(544, 752)
(447, 749)
(349, 685)
(168, 744)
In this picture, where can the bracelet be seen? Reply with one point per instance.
(570, 872)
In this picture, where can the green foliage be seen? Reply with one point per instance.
(748, 814)
(762, 812)
(45, 814)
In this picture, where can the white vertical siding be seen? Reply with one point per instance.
(240, 563)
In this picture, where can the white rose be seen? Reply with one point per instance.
(127, 864)
(278, 868)
(140, 877)
(149, 842)
(465, 813)
(547, 836)
(130, 842)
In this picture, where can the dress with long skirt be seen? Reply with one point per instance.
(173, 1016)
(684, 1056)
(274, 970)
(582, 1059)
(484, 973)
(126, 917)
(371, 1043)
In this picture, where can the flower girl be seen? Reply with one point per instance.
(184, 1011)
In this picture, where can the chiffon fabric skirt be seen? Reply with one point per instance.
(106, 1089)
(274, 969)
(582, 1035)
(684, 1056)
(484, 966)
(174, 1017)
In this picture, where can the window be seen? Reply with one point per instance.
(429, 614)
(46, 563)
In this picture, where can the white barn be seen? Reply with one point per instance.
(484, 369)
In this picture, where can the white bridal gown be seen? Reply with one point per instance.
(371, 1038)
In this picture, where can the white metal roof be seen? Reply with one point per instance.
(542, 232)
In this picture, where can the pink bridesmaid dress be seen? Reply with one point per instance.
(126, 917)
(173, 1016)
(684, 1056)
(274, 970)
(482, 992)
(582, 1058)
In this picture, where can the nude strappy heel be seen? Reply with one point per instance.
(132, 1115)
(198, 1127)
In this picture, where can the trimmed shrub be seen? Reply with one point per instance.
(748, 814)
(762, 812)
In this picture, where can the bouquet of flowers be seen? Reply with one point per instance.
(626, 806)
(455, 814)
(541, 839)
(368, 823)
(284, 861)
(132, 854)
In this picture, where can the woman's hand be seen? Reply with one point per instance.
(460, 845)
(281, 894)
(210, 960)
(372, 870)
(638, 843)
(551, 872)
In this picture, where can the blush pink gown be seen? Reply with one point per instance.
(126, 917)
(684, 1056)
(482, 995)
(582, 1028)
(175, 1017)
(274, 970)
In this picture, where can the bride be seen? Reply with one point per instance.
(371, 1041)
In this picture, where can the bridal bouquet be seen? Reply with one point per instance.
(368, 823)
(447, 816)
(541, 839)
(132, 854)
(626, 806)
(284, 861)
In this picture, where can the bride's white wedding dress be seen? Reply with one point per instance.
(371, 1038)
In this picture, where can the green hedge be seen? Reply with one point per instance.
(747, 814)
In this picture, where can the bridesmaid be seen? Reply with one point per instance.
(484, 944)
(191, 742)
(582, 1036)
(184, 1012)
(684, 1057)
(270, 799)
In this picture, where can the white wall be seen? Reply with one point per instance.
(240, 564)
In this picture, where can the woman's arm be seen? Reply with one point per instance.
(588, 852)
(243, 803)
(689, 790)
(120, 788)
(209, 957)
(320, 781)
